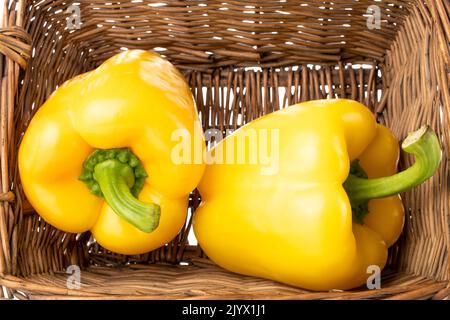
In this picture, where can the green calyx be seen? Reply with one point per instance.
(359, 209)
(118, 176)
(124, 156)
(423, 144)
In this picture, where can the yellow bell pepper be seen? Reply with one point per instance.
(97, 154)
(309, 223)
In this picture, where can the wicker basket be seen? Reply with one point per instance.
(301, 50)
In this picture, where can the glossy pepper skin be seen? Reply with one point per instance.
(295, 225)
(133, 102)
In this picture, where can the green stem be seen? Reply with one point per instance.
(115, 180)
(118, 176)
(424, 145)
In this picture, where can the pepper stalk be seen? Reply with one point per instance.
(424, 145)
(118, 176)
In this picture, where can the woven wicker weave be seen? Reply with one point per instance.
(315, 49)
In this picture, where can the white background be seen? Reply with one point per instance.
(2, 3)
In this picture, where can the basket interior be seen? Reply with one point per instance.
(241, 61)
